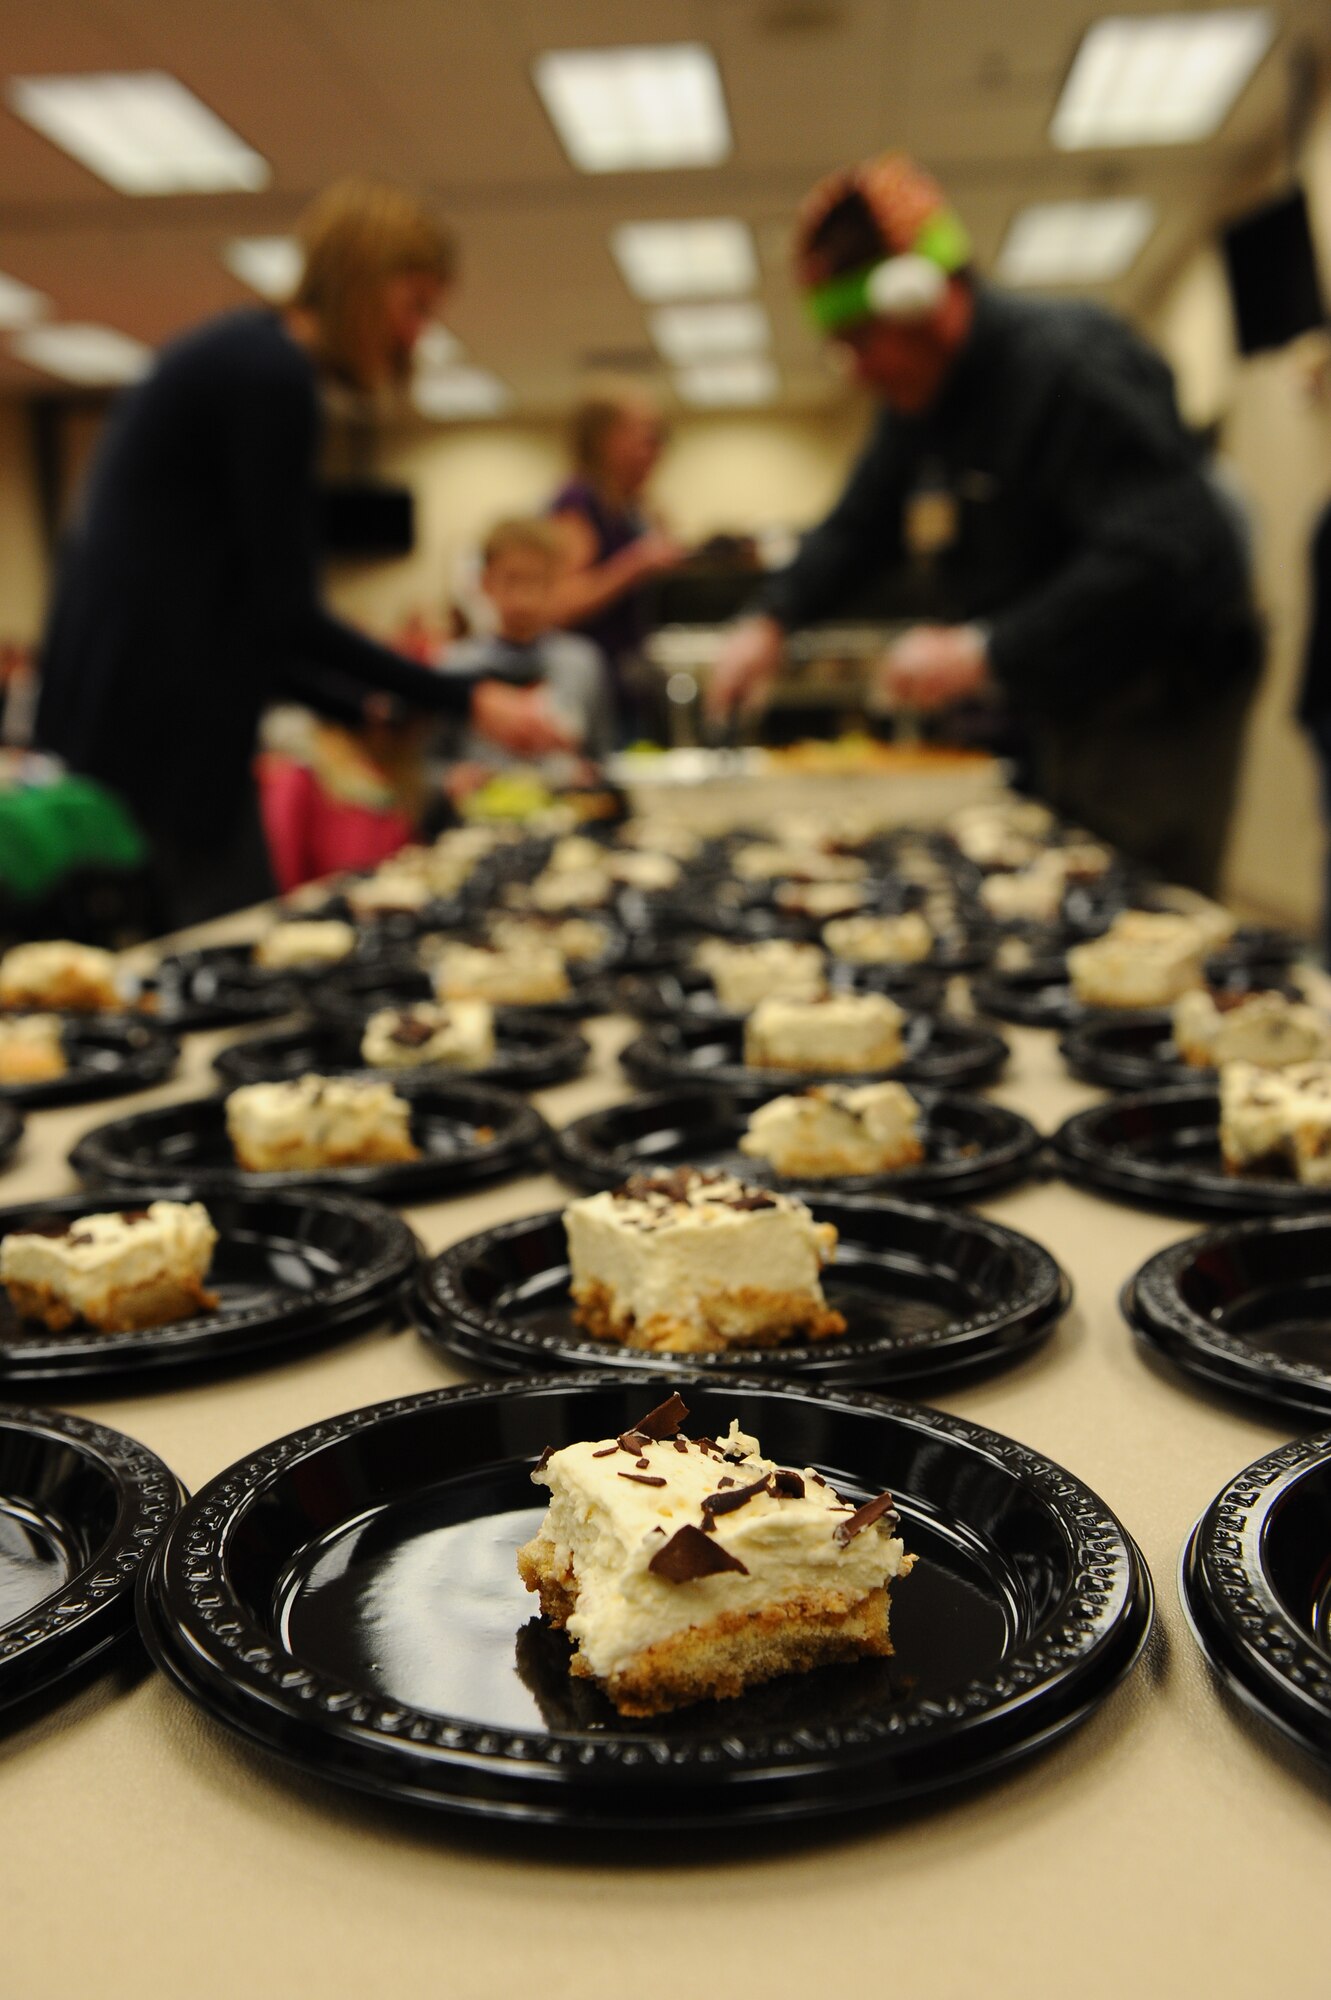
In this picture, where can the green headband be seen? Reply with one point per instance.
(849, 299)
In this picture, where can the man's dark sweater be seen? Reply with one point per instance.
(1088, 539)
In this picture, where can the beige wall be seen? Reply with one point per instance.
(22, 555)
(1277, 439)
(738, 472)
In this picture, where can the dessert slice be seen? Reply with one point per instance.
(459, 1034)
(853, 1032)
(64, 977)
(142, 1267)
(688, 1262)
(872, 1128)
(508, 976)
(31, 1050)
(318, 1121)
(577, 938)
(902, 940)
(744, 974)
(393, 892)
(1146, 958)
(1265, 1028)
(1307, 1107)
(1253, 1117)
(304, 942)
(820, 899)
(686, 1569)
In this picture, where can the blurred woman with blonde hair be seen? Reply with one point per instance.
(186, 596)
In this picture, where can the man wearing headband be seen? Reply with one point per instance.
(1030, 461)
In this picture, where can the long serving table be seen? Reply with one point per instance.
(1171, 1846)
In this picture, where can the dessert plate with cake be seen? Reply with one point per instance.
(96, 1297)
(401, 1140)
(849, 1138)
(1259, 1144)
(71, 1058)
(1205, 1028)
(1245, 1308)
(817, 1040)
(698, 1270)
(81, 1508)
(692, 992)
(1255, 1590)
(217, 986)
(525, 1051)
(503, 976)
(594, 1602)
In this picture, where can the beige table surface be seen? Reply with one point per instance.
(1171, 1846)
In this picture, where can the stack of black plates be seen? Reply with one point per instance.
(292, 1271)
(1245, 1308)
(364, 1616)
(1256, 1589)
(926, 1292)
(81, 1510)
(971, 1146)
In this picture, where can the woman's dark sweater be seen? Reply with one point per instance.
(186, 596)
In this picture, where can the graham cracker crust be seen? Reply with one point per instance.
(126, 1309)
(747, 1316)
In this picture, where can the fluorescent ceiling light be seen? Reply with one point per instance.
(707, 259)
(437, 348)
(1159, 79)
(269, 265)
(459, 392)
(617, 110)
(141, 131)
(695, 333)
(1075, 242)
(720, 384)
(92, 355)
(20, 304)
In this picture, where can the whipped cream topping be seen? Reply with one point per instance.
(634, 1518)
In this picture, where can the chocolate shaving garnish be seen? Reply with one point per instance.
(642, 1478)
(641, 1464)
(411, 1034)
(725, 1482)
(689, 1555)
(787, 1485)
(864, 1517)
(632, 1442)
(746, 1203)
(664, 1421)
(545, 1458)
(680, 1444)
(609, 1451)
(726, 1503)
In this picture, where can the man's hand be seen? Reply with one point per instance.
(933, 666)
(654, 554)
(745, 667)
(518, 719)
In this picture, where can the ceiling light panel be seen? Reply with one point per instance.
(269, 265)
(142, 132)
(1159, 79)
(1075, 242)
(713, 385)
(20, 304)
(697, 332)
(636, 109)
(710, 258)
(93, 356)
(459, 392)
